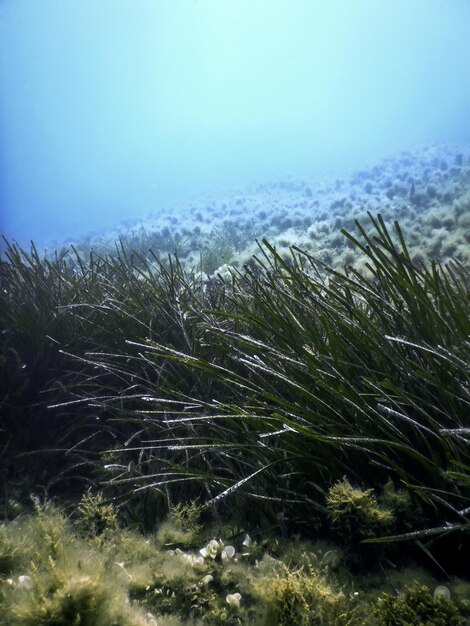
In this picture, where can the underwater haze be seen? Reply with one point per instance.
(111, 109)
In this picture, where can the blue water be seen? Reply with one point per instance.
(110, 109)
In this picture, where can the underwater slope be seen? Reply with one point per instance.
(427, 189)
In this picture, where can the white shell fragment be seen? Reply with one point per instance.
(233, 599)
(228, 553)
(441, 592)
(210, 551)
(25, 582)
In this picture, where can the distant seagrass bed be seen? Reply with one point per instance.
(427, 189)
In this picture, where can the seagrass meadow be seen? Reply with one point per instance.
(283, 443)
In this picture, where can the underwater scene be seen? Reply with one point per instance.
(234, 313)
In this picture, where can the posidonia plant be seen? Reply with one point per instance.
(260, 391)
(302, 375)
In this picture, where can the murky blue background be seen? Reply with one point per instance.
(112, 108)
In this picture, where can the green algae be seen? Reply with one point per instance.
(417, 607)
(54, 574)
(355, 513)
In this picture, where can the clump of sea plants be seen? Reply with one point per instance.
(235, 235)
(95, 516)
(301, 596)
(214, 255)
(416, 606)
(224, 242)
(142, 243)
(305, 374)
(356, 513)
(182, 528)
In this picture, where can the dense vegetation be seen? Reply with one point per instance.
(333, 404)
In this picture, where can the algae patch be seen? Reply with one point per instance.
(57, 572)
